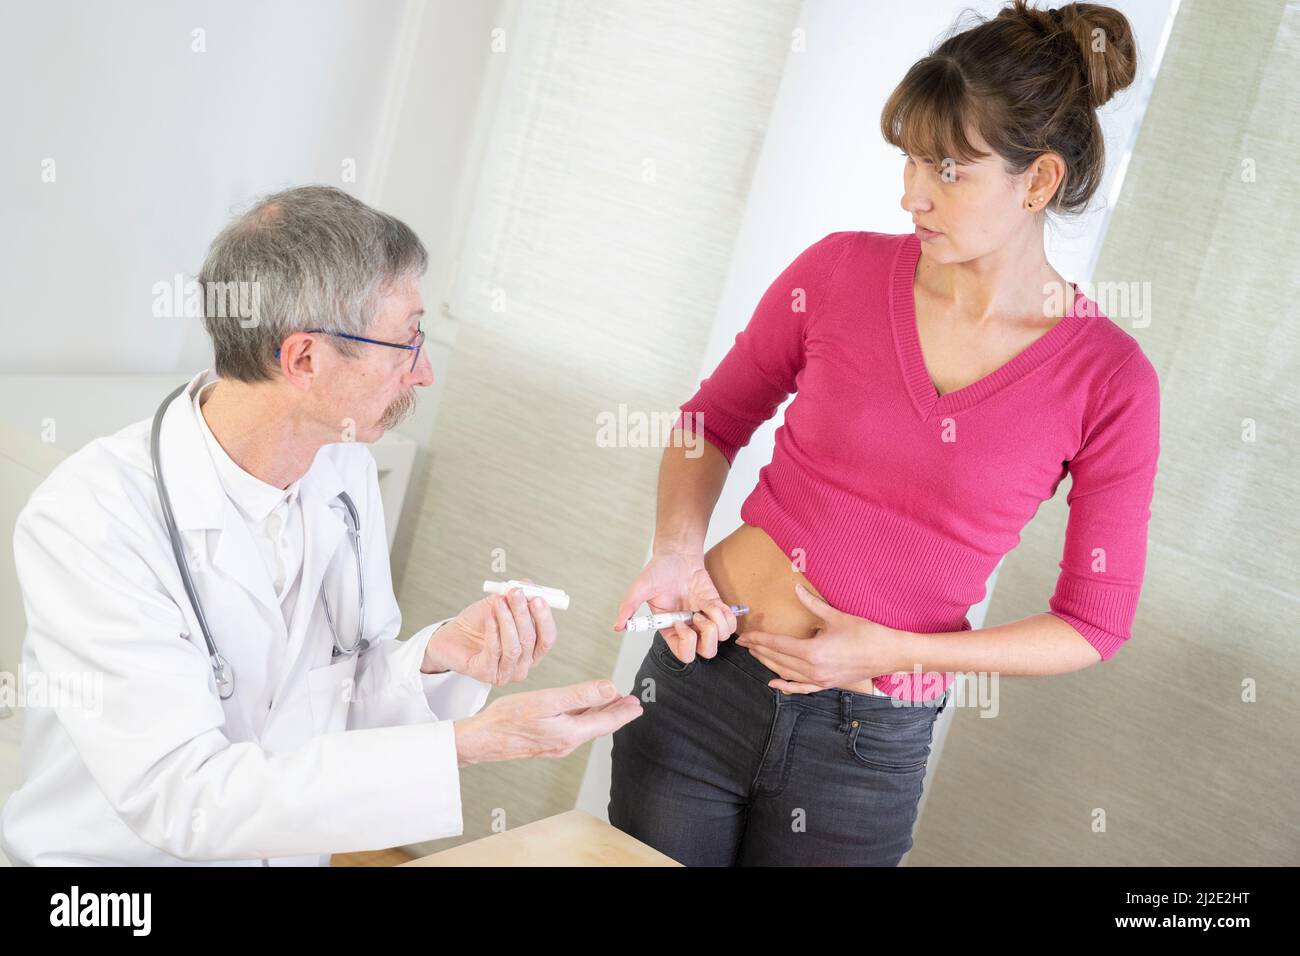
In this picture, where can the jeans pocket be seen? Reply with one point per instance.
(892, 742)
(667, 660)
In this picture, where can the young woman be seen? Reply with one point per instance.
(946, 381)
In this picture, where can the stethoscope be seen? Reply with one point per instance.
(221, 669)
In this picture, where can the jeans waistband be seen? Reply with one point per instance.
(833, 700)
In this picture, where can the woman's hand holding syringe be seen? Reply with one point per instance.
(657, 622)
(671, 581)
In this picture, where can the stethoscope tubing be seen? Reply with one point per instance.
(224, 673)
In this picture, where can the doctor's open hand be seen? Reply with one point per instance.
(495, 640)
(543, 723)
(846, 652)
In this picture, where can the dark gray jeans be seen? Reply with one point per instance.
(722, 770)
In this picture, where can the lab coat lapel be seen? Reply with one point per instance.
(324, 533)
(199, 503)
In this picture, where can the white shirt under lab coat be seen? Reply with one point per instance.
(273, 515)
(162, 771)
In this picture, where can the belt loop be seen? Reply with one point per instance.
(846, 709)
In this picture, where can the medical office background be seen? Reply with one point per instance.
(605, 188)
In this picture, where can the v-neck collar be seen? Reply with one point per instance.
(907, 341)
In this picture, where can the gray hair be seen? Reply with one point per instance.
(313, 257)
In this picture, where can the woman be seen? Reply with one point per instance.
(946, 382)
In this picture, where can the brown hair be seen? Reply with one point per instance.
(1030, 81)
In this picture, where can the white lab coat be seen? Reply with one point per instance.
(168, 773)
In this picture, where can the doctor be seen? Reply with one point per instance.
(267, 713)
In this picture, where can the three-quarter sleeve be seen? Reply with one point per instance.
(759, 371)
(1114, 474)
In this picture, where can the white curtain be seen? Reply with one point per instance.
(614, 177)
(1179, 750)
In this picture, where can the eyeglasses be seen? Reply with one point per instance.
(416, 345)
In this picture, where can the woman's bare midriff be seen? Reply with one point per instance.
(749, 568)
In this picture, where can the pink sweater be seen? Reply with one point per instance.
(897, 503)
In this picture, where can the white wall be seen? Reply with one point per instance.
(823, 168)
(155, 145)
(441, 99)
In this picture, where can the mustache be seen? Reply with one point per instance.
(399, 410)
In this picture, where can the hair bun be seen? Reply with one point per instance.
(1107, 50)
(1028, 80)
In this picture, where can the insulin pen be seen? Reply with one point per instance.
(552, 596)
(654, 622)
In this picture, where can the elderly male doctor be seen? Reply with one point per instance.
(294, 740)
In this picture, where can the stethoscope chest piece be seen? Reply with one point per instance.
(225, 675)
(338, 652)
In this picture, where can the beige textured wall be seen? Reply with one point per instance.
(1160, 738)
(608, 208)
